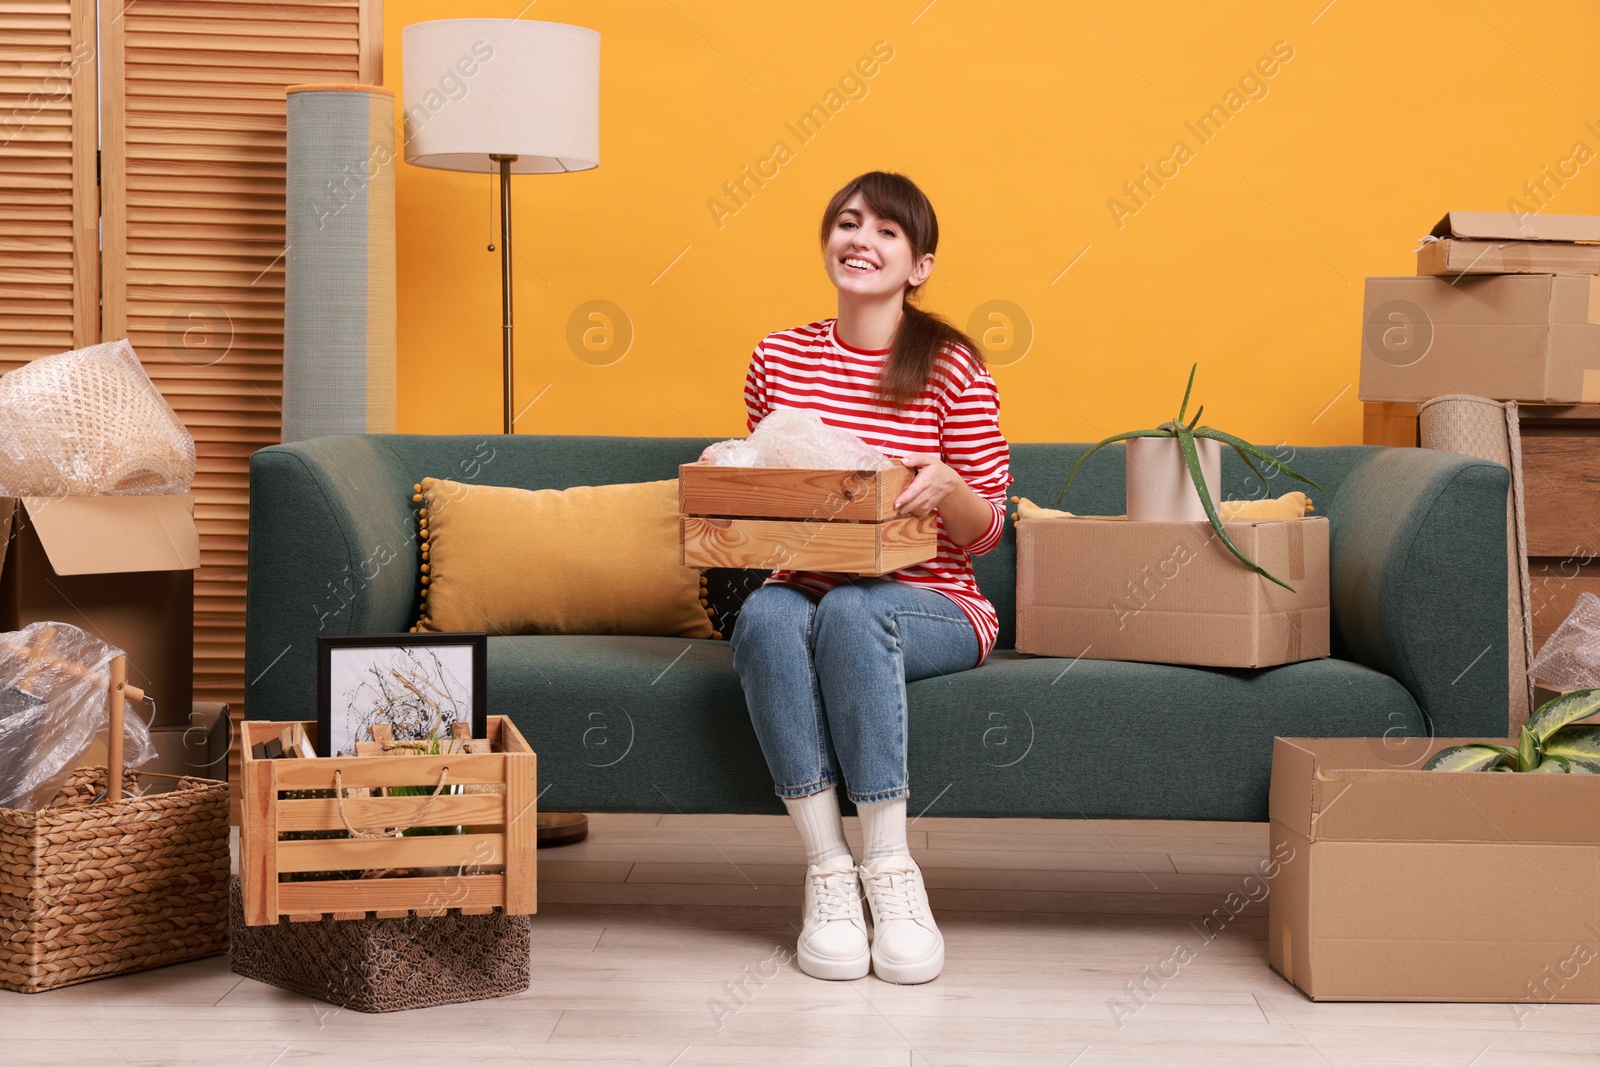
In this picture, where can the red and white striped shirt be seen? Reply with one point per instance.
(957, 418)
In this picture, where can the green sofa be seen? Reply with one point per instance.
(658, 724)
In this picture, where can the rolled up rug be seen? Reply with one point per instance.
(1488, 429)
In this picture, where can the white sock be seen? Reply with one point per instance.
(883, 829)
(821, 826)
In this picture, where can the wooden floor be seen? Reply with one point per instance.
(643, 928)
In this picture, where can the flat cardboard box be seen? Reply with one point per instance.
(1170, 592)
(1451, 257)
(1399, 884)
(839, 521)
(1533, 338)
(119, 567)
(1514, 226)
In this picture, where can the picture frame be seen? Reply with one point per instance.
(416, 683)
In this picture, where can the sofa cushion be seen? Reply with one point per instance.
(618, 718)
(599, 559)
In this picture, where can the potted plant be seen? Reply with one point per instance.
(1181, 442)
(1551, 743)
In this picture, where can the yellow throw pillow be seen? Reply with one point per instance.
(594, 559)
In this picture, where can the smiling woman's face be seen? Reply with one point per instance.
(870, 256)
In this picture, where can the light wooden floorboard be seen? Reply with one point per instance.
(646, 931)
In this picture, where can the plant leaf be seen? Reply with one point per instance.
(1248, 462)
(1157, 432)
(1473, 757)
(1192, 459)
(1584, 766)
(1575, 742)
(1564, 709)
(1527, 750)
(1196, 418)
(1185, 405)
(1554, 765)
(1241, 445)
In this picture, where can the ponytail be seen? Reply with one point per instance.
(917, 344)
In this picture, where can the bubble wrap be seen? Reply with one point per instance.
(789, 437)
(88, 423)
(55, 688)
(1570, 658)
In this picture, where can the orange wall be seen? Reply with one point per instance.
(1022, 121)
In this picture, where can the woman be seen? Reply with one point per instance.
(824, 658)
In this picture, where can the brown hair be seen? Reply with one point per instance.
(921, 334)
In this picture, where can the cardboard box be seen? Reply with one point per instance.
(1451, 257)
(1487, 242)
(1171, 592)
(196, 750)
(1396, 883)
(839, 521)
(119, 567)
(1534, 338)
(1514, 226)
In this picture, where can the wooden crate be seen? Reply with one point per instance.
(841, 521)
(496, 851)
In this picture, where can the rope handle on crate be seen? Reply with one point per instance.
(338, 786)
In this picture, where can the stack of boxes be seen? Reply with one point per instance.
(1507, 307)
(1400, 891)
(1504, 306)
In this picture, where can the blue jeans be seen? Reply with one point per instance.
(826, 677)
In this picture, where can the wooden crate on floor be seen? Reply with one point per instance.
(493, 856)
(841, 521)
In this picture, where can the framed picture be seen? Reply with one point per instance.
(419, 684)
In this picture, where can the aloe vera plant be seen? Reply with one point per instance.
(1550, 743)
(1185, 434)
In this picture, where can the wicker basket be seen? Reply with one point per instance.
(379, 965)
(91, 890)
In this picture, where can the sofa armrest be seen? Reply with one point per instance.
(333, 550)
(1418, 582)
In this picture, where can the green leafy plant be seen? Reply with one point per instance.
(1551, 743)
(1185, 434)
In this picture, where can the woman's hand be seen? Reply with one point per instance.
(933, 485)
(938, 488)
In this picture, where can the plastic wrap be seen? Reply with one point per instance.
(1570, 658)
(55, 686)
(90, 423)
(789, 437)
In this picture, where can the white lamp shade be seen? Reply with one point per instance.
(476, 87)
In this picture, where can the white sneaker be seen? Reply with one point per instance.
(907, 947)
(833, 939)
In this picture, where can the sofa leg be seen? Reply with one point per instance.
(562, 828)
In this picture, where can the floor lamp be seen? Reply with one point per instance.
(502, 96)
(513, 97)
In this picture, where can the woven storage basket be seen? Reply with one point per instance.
(378, 965)
(91, 891)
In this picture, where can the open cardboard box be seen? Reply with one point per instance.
(118, 567)
(1400, 884)
(1102, 587)
(1490, 242)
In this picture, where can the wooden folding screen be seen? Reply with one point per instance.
(49, 271)
(193, 186)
